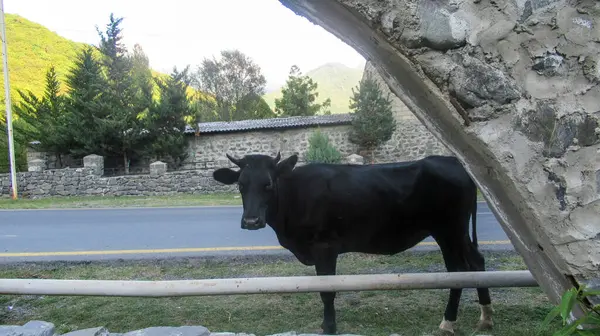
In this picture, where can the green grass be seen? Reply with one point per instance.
(122, 201)
(127, 201)
(519, 311)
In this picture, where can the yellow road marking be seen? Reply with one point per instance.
(187, 250)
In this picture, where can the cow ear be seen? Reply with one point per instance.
(226, 175)
(287, 165)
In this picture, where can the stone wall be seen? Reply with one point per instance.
(410, 141)
(88, 181)
(207, 152)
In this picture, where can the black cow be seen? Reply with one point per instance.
(320, 211)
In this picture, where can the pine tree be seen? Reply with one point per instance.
(43, 119)
(299, 97)
(373, 122)
(320, 150)
(142, 78)
(253, 106)
(122, 130)
(85, 108)
(166, 120)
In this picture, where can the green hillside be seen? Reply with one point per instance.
(335, 81)
(32, 48)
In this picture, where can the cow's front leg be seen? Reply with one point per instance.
(325, 264)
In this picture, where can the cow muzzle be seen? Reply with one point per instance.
(252, 223)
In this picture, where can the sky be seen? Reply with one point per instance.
(182, 32)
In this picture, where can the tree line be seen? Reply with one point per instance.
(114, 106)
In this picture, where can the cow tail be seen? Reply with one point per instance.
(474, 220)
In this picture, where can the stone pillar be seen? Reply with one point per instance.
(36, 165)
(36, 160)
(96, 162)
(158, 168)
(355, 159)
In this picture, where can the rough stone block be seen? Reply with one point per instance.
(31, 328)
(293, 333)
(158, 168)
(36, 165)
(95, 162)
(171, 331)
(355, 159)
(98, 331)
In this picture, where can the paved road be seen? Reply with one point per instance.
(93, 234)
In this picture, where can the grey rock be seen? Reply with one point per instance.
(95, 163)
(476, 83)
(531, 6)
(293, 333)
(355, 159)
(171, 331)
(598, 181)
(436, 66)
(591, 68)
(31, 328)
(98, 331)
(440, 28)
(548, 64)
(158, 168)
(557, 135)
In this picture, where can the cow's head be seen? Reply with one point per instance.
(257, 182)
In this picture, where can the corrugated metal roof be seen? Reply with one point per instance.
(273, 123)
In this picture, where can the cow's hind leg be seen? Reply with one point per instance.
(454, 258)
(477, 263)
(325, 264)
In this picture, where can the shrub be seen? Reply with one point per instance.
(320, 150)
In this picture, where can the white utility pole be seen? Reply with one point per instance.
(9, 128)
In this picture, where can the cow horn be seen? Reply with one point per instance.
(278, 157)
(234, 160)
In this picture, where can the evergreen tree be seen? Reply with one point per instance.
(373, 122)
(142, 78)
(299, 96)
(86, 108)
(122, 130)
(253, 106)
(43, 119)
(320, 150)
(166, 120)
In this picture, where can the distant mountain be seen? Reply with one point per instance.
(334, 80)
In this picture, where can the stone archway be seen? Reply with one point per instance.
(512, 89)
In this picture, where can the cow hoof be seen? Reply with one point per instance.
(485, 319)
(447, 328)
(485, 325)
(328, 331)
